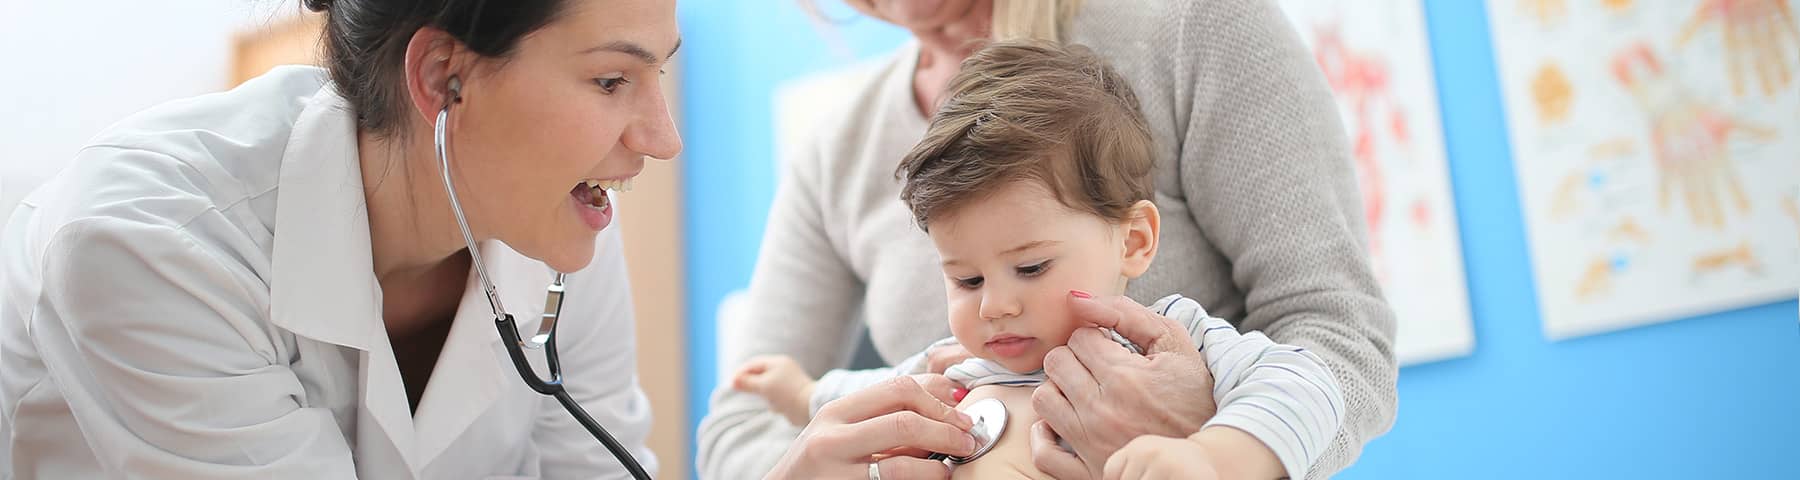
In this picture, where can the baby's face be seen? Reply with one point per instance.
(1010, 261)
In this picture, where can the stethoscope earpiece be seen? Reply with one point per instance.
(455, 87)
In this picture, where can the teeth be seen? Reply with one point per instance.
(614, 185)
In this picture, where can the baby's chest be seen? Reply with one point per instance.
(1010, 457)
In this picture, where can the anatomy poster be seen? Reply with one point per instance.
(1376, 58)
(1657, 145)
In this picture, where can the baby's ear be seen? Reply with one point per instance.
(1142, 225)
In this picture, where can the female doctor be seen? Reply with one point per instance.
(275, 282)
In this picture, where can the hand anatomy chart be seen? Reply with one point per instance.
(1657, 145)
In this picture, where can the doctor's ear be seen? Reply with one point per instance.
(434, 65)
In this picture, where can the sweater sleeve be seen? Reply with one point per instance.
(1265, 170)
(802, 302)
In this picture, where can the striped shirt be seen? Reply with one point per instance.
(1280, 394)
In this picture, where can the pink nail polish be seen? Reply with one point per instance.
(1080, 294)
(959, 393)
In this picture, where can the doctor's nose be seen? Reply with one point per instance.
(653, 133)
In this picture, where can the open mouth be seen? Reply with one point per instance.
(593, 192)
(594, 203)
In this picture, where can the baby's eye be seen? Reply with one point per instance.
(969, 283)
(1034, 269)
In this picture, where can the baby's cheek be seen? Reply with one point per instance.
(1058, 334)
(967, 328)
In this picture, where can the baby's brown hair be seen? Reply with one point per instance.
(1031, 110)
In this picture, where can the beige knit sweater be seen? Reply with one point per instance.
(1259, 203)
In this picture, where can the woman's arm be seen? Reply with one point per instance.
(1266, 172)
(160, 345)
(802, 304)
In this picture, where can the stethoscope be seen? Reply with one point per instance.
(545, 338)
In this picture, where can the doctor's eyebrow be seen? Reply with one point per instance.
(634, 50)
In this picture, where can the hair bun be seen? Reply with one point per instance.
(318, 5)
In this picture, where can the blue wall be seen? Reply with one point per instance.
(1713, 396)
(733, 55)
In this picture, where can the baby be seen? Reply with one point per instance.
(1034, 183)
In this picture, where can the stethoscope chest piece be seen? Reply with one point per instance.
(990, 422)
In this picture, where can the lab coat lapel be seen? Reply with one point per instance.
(325, 287)
(468, 378)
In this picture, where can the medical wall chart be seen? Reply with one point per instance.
(1657, 145)
(1376, 58)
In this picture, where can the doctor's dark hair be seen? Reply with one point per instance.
(365, 44)
(1032, 111)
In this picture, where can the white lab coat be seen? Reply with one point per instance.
(194, 298)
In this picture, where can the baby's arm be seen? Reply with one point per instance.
(795, 395)
(1282, 395)
(780, 380)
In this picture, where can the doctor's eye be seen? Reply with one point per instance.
(611, 84)
(969, 282)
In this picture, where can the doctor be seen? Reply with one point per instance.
(271, 282)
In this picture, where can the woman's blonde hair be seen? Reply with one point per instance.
(1045, 20)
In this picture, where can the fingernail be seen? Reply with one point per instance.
(959, 393)
(970, 444)
(1080, 294)
(966, 419)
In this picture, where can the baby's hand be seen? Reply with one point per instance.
(939, 359)
(780, 380)
(1158, 457)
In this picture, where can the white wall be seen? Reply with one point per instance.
(70, 68)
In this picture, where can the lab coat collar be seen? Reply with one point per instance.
(324, 288)
(324, 284)
(468, 378)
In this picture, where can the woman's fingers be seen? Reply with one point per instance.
(1052, 406)
(1150, 331)
(906, 414)
(907, 468)
(898, 394)
(1050, 457)
(902, 430)
(1065, 369)
(939, 386)
(1094, 346)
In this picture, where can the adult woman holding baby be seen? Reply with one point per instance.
(1259, 225)
(282, 281)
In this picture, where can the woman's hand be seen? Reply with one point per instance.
(890, 425)
(1119, 395)
(780, 380)
(1154, 457)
